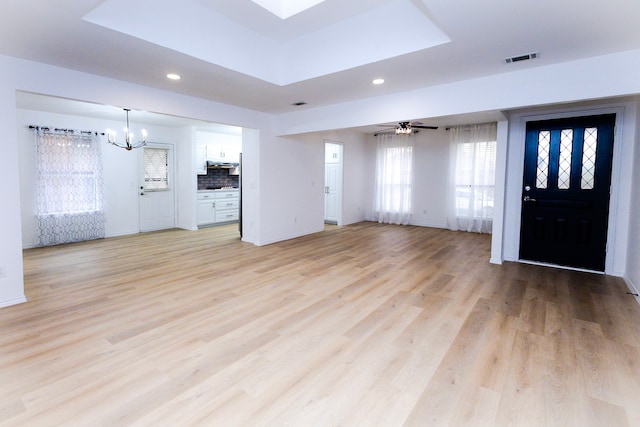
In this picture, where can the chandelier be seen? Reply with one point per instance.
(129, 142)
(403, 129)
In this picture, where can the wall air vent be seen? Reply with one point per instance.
(524, 57)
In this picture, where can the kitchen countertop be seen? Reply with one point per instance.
(213, 190)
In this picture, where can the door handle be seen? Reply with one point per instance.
(529, 199)
(326, 190)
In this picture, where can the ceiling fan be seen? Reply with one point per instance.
(406, 128)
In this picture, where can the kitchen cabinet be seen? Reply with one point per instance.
(201, 159)
(218, 147)
(206, 208)
(225, 150)
(218, 206)
(227, 205)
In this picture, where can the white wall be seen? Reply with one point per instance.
(251, 172)
(430, 179)
(186, 185)
(292, 182)
(632, 275)
(11, 280)
(296, 206)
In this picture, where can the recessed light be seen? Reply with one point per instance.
(172, 76)
(378, 81)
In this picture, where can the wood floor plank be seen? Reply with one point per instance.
(368, 324)
(436, 404)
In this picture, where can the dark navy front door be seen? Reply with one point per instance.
(565, 199)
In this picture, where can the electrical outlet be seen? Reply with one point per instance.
(3, 271)
(424, 211)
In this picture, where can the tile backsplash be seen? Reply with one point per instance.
(216, 178)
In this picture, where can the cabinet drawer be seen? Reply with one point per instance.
(228, 204)
(227, 194)
(206, 196)
(225, 215)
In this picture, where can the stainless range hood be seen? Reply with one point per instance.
(221, 165)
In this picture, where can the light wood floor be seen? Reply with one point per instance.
(365, 325)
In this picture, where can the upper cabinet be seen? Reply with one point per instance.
(201, 159)
(218, 147)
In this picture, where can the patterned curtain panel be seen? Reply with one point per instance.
(69, 187)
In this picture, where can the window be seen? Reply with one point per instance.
(475, 174)
(394, 176)
(156, 169)
(69, 187)
(69, 180)
(473, 164)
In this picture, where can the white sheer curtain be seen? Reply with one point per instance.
(472, 178)
(69, 187)
(394, 176)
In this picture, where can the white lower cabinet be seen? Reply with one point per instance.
(206, 208)
(218, 206)
(227, 205)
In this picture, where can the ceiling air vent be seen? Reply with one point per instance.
(524, 57)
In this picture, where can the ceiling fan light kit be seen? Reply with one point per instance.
(405, 128)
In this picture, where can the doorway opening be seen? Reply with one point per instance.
(333, 169)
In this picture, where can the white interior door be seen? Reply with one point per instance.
(157, 195)
(333, 183)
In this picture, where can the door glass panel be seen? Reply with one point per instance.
(156, 169)
(542, 173)
(564, 165)
(589, 147)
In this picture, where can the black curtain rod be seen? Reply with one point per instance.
(80, 132)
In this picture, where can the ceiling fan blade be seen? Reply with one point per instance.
(424, 127)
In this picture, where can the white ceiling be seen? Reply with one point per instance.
(327, 54)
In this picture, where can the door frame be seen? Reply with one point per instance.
(341, 179)
(173, 179)
(615, 260)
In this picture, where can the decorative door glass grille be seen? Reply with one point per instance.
(564, 166)
(542, 173)
(589, 158)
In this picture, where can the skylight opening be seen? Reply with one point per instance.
(284, 9)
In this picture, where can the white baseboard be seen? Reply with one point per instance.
(288, 237)
(13, 302)
(632, 288)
